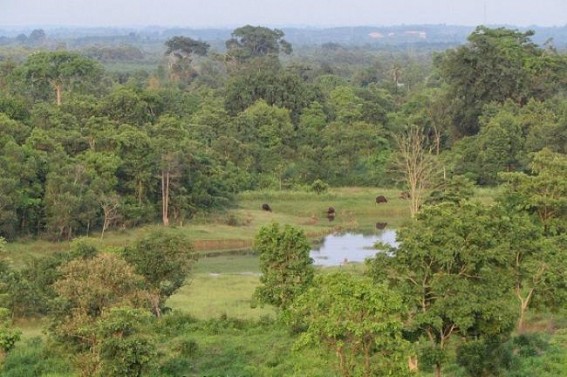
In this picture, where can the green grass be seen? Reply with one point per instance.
(211, 295)
(236, 228)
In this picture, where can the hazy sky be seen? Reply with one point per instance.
(203, 13)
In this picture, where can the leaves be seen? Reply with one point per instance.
(287, 270)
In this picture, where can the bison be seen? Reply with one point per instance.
(405, 195)
(331, 210)
(266, 207)
(381, 226)
(381, 199)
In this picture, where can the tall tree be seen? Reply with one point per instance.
(59, 69)
(180, 50)
(170, 141)
(453, 276)
(537, 259)
(496, 65)
(256, 41)
(415, 162)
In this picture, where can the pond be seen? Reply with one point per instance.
(336, 249)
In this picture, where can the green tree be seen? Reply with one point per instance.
(128, 344)
(266, 80)
(451, 268)
(165, 259)
(544, 192)
(268, 133)
(9, 335)
(180, 50)
(500, 143)
(353, 153)
(101, 167)
(287, 270)
(59, 69)
(345, 105)
(357, 320)
(70, 203)
(496, 65)
(170, 140)
(537, 260)
(136, 107)
(545, 125)
(138, 168)
(255, 41)
(87, 288)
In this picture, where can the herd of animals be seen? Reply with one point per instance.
(331, 213)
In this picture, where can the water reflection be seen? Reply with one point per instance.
(352, 247)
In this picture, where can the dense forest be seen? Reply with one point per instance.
(100, 134)
(84, 148)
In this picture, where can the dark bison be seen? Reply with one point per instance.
(381, 226)
(381, 199)
(266, 207)
(331, 210)
(405, 195)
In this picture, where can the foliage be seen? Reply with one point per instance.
(319, 186)
(164, 258)
(543, 194)
(537, 262)
(182, 46)
(8, 334)
(496, 65)
(127, 347)
(58, 69)
(36, 357)
(87, 289)
(451, 269)
(255, 41)
(287, 270)
(358, 321)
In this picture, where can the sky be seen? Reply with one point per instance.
(317, 13)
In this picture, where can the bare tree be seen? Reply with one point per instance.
(110, 205)
(416, 163)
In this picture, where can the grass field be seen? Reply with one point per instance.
(224, 279)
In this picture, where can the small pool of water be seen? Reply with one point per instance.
(336, 249)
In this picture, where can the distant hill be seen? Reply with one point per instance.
(361, 35)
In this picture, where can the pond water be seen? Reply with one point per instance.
(336, 249)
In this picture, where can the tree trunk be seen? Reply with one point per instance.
(104, 226)
(165, 197)
(412, 363)
(524, 304)
(438, 372)
(58, 90)
(523, 309)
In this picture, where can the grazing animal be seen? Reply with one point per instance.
(331, 210)
(266, 207)
(381, 199)
(331, 216)
(381, 226)
(405, 195)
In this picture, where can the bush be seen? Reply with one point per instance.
(34, 358)
(319, 186)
